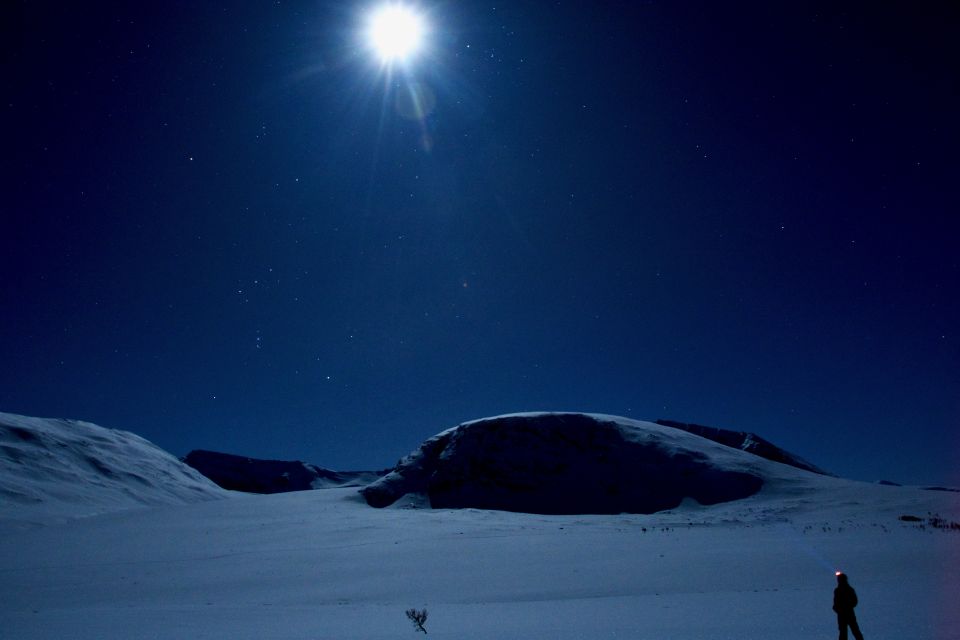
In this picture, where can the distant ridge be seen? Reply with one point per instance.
(744, 441)
(253, 475)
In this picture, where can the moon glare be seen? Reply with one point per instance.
(395, 32)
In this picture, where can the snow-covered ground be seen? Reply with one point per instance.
(323, 564)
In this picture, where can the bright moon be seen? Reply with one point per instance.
(395, 32)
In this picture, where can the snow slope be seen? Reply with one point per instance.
(53, 468)
(556, 463)
(745, 441)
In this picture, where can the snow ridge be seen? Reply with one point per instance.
(745, 441)
(68, 468)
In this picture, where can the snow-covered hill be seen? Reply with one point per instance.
(570, 463)
(67, 468)
(253, 475)
(322, 564)
(745, 441)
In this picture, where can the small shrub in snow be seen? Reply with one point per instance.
(933, 520)
(418, 618)
(941, 523)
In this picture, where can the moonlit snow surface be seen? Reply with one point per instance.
(322, 564)
(53, 468)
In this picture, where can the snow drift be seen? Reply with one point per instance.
(253, 475)
(68, 468)
(552, 463)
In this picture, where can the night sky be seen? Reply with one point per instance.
(228, 226)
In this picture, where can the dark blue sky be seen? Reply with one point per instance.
(221, 230)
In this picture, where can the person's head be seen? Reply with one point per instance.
(841, 577)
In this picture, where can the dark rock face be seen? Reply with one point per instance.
(557, 464)
(270, 476)
(749, 442)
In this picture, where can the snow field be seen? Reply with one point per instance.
(322, 564)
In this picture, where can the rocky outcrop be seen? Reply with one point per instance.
(565, 464)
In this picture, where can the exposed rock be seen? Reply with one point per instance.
(565, 464)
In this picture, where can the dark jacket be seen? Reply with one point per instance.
(844, 599)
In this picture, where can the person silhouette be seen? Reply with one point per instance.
(844, 601)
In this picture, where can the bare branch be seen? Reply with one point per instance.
(418, 618)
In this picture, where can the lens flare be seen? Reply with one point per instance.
(395, 32)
